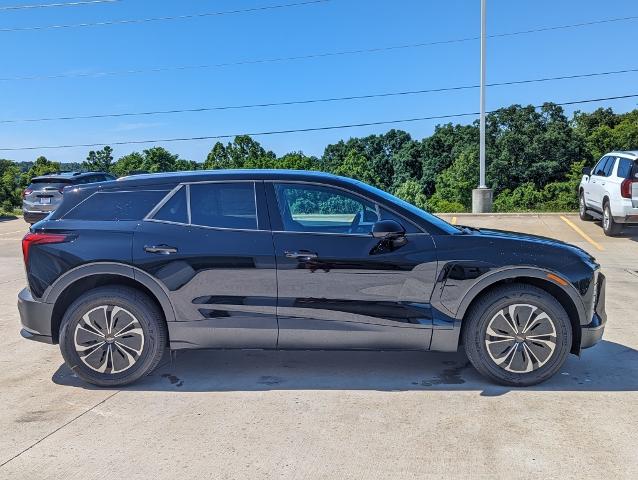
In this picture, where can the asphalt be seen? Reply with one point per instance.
(376, 415)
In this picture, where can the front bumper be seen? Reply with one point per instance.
(592, 333)
(35, 317)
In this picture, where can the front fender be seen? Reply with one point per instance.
(459, 307)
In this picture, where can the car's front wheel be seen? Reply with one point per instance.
(517, 335)
(112, 336)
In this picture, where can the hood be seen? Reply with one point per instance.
(525, 238)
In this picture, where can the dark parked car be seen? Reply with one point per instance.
(44, 193)
(295, 260)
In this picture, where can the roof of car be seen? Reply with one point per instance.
(633, 153)
(238, 174)
(65, 175)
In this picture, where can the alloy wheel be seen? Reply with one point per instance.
(606, 219)
(109, 339)
(520, 338)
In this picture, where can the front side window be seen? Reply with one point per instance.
(599, 169)
(321, 209)
(224, 205)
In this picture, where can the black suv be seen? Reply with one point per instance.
(44, 193)
(294, 260)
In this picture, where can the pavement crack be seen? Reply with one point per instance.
(59, 428)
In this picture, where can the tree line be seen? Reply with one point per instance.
(534, 159)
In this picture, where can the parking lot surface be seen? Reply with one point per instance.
(263, 414)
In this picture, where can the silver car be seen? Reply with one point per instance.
(44, 194)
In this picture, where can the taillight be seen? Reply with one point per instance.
(625, 188)
(40, 239)
(27, 191)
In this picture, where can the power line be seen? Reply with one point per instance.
(53, 5)
(298, 130)
(311, 56)
(158, 19)
(315, 100)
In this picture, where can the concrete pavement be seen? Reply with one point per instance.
(255, 414)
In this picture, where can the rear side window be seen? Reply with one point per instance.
(625, 167)
(175, 209)
(224, 205)
(116, 206)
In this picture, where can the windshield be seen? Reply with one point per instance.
(428, 217)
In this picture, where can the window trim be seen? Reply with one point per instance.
(190, 223)
(356, 194)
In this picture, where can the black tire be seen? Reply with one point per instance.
(135, 341)
(610, 227)
(582, 209)
(500, 360)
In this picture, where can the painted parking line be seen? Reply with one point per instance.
(15, 231)
(577, 229)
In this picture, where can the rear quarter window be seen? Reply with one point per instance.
(625, 168)
(116, 206)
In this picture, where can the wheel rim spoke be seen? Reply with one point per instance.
(109, 339)
(520, 338)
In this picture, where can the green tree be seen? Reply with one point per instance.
(442, 148)
(528, 145)
(454, 185)
(99, 161)
(42, 166)
(10, 188)
(412, 191)
(158, 159)
(242, 152)
(357, 166)
(133, 162)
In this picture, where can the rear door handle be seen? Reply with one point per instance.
(301, 254)
(160, 249)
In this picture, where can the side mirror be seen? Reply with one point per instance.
(387, 229)
(587, 171)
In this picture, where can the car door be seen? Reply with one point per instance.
(210, 246)
(339, 287)
(594, 188)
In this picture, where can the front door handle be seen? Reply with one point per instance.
(301, 254)
(160, 249)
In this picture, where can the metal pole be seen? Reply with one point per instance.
(482, 121)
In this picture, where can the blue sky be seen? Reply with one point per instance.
(326, 27)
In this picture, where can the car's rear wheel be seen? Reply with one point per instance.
(582, 208)
(112, 336)
(610, 227)
(517, 335)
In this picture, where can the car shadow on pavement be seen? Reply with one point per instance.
(608, 367)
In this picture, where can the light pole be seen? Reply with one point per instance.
(482, 196)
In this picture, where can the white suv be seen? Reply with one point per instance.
(609, 191)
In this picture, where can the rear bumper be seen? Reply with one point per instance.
(592, 333)
(33, 217)
(35, 317)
